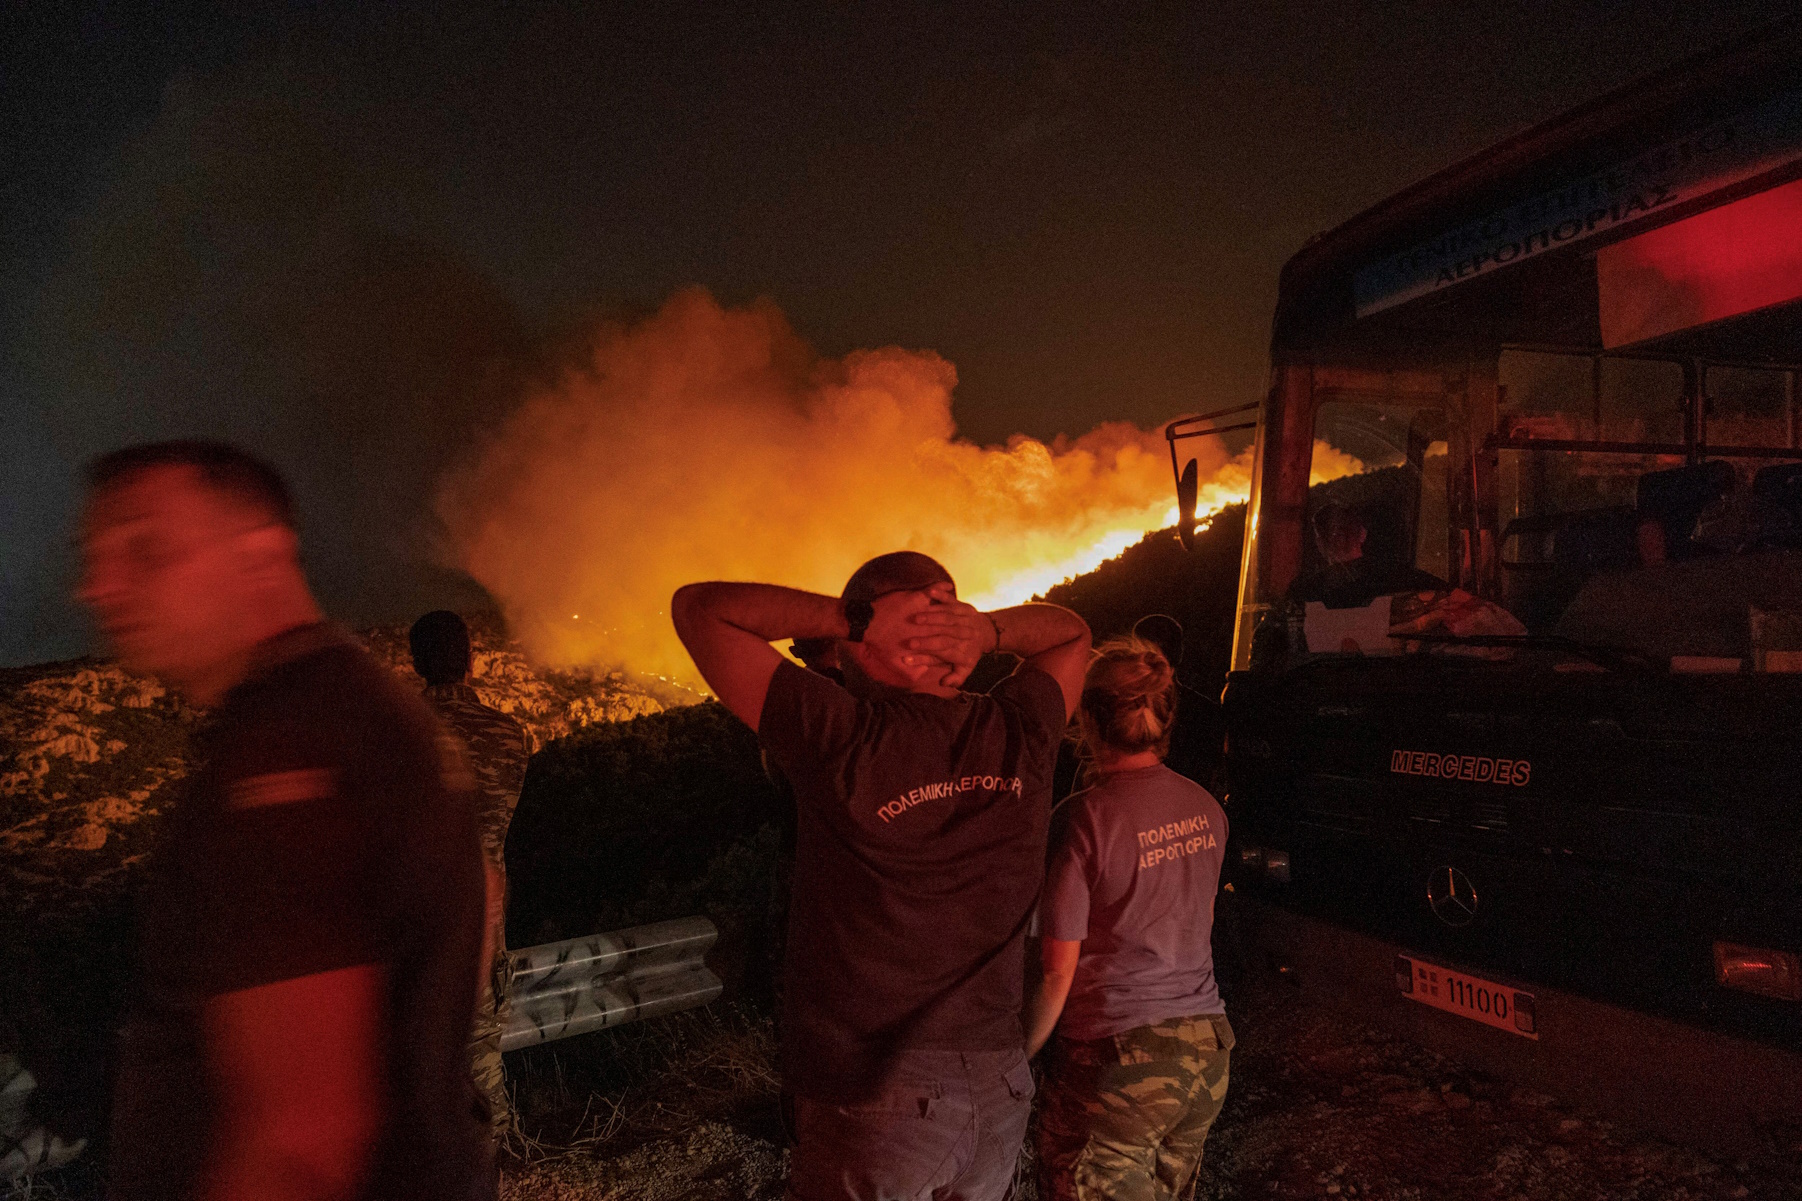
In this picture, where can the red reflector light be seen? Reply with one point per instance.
(1758, 970)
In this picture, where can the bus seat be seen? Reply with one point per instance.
(1780, 484)
(1595, 540)
(1676, 497)
(1777, 490)
(1545, 559)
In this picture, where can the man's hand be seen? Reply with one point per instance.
(1049, 637)
(892, 629)
(955, 634)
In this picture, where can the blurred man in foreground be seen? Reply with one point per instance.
(312, 933)
(498, 750)
(922, 817)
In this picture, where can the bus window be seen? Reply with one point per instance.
(1575, 397)
(1619, 527)
(1639, 400)
(1749, 407)
(1377, 518)
(1546, 394)
(1377, 548)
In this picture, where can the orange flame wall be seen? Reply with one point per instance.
(711, 443)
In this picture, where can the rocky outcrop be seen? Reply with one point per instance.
(548, 702)
(88, 752)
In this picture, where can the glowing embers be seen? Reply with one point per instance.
(1758, 970)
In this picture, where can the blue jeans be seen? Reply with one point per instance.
(947, 1125)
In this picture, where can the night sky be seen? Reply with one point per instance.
(350, 238)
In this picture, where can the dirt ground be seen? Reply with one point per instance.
(1319, 1107)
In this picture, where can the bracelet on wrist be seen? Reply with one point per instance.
(996, 626)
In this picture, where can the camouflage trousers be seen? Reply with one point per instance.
(1125, 1117)
(492, 1008)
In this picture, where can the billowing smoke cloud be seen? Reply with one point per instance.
(712, 443)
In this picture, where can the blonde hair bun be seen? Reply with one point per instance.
(1128, 699)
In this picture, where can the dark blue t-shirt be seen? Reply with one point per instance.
(1134, 870)
(920, 854)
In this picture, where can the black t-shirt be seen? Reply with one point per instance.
(331, 824)
(921, 848)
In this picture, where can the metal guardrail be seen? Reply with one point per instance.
(558, 990)
(26, 1146)
(566, 988)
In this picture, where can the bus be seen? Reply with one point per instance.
(1517, 674)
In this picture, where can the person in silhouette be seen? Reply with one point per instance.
(498, 751)
(1348, 577)
(1198, 740)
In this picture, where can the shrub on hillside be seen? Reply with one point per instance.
(1156, 575)
(637, 821)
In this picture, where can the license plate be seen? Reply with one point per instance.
(1467, 996)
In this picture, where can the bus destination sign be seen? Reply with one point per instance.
(1716, 156)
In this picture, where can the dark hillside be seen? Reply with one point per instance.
(1198, 588)
(630, 822)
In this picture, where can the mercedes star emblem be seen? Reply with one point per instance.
(1451, 896)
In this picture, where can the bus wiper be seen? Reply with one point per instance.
(1613, 658)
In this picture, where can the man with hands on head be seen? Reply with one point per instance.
(922, 824)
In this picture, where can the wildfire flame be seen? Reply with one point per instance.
(712, 443)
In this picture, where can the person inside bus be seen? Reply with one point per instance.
(1138, 1072)
(1347, 577)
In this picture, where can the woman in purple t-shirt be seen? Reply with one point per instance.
(1138, 1071)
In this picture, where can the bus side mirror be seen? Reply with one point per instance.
(1188, 482)
(1187, 487)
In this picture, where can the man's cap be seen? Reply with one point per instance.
(899, 571)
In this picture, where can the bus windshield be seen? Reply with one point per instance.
(1611, 523)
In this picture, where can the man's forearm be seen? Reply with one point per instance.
(1028, 630)
(771, 612)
